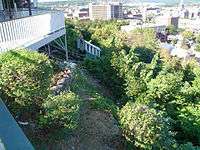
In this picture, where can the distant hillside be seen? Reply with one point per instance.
(168, 2)
(71, 2)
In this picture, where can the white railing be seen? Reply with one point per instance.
(88, 47)
(18, 32)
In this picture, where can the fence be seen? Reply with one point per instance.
(88, 47)
(15, 33)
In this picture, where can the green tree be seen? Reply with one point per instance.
(189, 117)
(197, 48)
(172, 30)
(188, 35)
(145, 128)
(164, 87)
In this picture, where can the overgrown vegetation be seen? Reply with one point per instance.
(155, 97)
(24, 80)
(136, 71)
(61, 111)
(197, 48)
(146, 128)
(82, 87)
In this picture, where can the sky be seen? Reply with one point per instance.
(50, 0)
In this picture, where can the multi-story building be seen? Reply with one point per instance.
(81, 13)
(174, 21)
(190, 13)
(116, 10)
(168, 20)
(105, 11)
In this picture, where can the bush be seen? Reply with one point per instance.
(189, 118)
(101, 103)
(172, 30)
(164, 87)
(144, 127)
(61, 111)
(25, 77)
(188, 146)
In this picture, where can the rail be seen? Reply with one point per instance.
(88, 47)
(17, 32)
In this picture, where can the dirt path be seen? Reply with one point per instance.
(98, 129)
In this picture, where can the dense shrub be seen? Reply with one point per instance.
(134, 85)
(189, 118)
(164, 87)
(188, 146)
(134, 68)
(101, 103)
(25, 78)
(61, 111)
(145, 127)
(72, 37)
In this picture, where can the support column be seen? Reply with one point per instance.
(66, 50)
(86, 47)
(29, 7)
(8, 3)
(49, 50)
(90, 49)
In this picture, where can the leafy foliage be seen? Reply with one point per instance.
(190, 122)
(188, 35)
(172, 30)
(72, 35)
(197, 48)
(101, 103)
(25, 78)
(187, 146)
(164, 87)
(136, 70)
(145, 127)
(61, 111)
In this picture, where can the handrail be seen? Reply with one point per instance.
(15, 33)
(88, 47)
(23, 13)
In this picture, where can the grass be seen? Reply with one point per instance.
(85, 88)
(90, 92)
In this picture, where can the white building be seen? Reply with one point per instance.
(105, 11)
(159, 28)
(190, 13)
(193, 25)
(168, 19)
(81, 13)
(150, 12)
